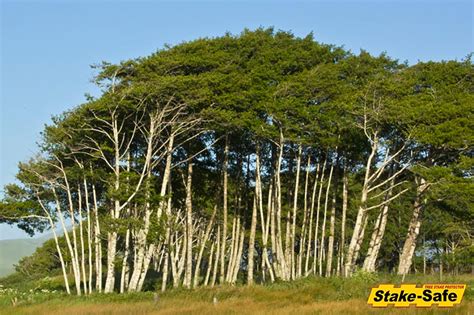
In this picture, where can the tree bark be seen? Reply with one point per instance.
(224, 209)
(406, 255)
(216, 260)
(323, 228)
(209, 265)
(377, 235)
(295, 209)
(345, 184)
(189, 229)
(97, 243)
(305, 217)
(310, 227)
(281, 259)
(251, 251)
(202, 247)
(236, 266)
(331, 235)
(316, 227)
(358, 232)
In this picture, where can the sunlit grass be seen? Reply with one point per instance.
(312, 295)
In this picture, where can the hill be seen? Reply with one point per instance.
(11, 251)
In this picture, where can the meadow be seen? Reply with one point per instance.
(312, 295)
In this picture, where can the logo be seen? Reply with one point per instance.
(443, 295)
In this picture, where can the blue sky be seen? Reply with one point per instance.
(47, 46)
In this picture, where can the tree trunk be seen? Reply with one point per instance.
(345, 184)
(305, 216)
(74, 262)
(361, 218)
(164, 279)
(115, 213)
(202, 247)
(89, 234)
(97, 244)
(125, 268)
(224, 209)
(331, 235)
(151, 251)
(111, 250)
(310, 227)
(81, 238)
(189, 228)
(406, 256)
(251, 250)
(209, 265)
(216, 260)
(264, 223)
(323, 228)
(377, 235)
(167, 243)
(58, 248)
(316, 227)
(295, 208)
(234, 248)
(238, 258)
(281, 259)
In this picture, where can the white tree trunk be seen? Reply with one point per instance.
(316, 227)
(97, 244)
(310, 227)
(111, 252)
(238, 257)
(406, 255)
(224, 209)
(295, 208)
(323, 227)
(345, 184)
(209, 265)
(74, 262)
(89, 234)
(280, 255)
(189, 228)
(303, 228)
(125, 268)
(358, 232)
(216, 260)
(202, 247)
(331, 235)
(81, 238)
(251, 250)
(58, 248)
(377, 236)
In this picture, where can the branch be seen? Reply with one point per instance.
(386, 190)
(388, 179)
(192, 156)
(387, 201)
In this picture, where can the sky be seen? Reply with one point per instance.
(47, 47)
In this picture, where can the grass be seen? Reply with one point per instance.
(305, 296)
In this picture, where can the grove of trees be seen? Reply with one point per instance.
(255, 158)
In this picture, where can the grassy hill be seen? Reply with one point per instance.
(11, 251)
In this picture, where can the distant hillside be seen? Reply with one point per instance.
(11, 251)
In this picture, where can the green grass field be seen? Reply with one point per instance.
(306, 296)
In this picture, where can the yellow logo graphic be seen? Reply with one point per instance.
(443, 295)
